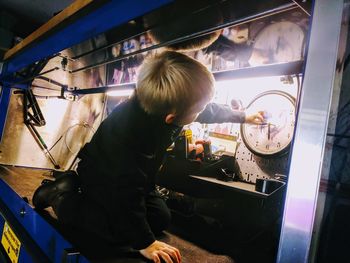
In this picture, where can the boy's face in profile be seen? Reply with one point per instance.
(190, 115)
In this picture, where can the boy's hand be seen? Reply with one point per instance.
(159, 250)
(257, 118)
(198, 146)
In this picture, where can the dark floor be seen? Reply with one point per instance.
(190, 252)
(24, 181)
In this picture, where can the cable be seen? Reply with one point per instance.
(85, 125)
(64, 134)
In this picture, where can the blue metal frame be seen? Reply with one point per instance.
(29, 225)
(38, 235)
(5, 95)
(109, 15)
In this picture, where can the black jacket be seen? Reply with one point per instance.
(123, 157)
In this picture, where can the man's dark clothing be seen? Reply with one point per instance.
(117, 171)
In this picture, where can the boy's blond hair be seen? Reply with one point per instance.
(171, 82)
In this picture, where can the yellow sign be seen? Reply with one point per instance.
(11, 243)
(223, 143)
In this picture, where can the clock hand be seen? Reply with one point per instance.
(268, 131)
(278, 45)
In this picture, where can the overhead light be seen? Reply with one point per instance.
(120, 93)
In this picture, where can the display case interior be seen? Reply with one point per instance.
(228, 204)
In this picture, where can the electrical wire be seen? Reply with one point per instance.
(47, 97)
(64, 135)
(85, 125)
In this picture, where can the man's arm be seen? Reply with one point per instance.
(219, 113)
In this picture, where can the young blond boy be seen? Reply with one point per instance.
(118, 203)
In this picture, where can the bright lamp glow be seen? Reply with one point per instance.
(246, 89)
(120, 93)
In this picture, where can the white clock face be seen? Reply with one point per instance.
(278, 42)
(275, 134)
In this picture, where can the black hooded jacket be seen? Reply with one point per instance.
(123, 157)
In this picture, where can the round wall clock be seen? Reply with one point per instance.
(278, 42)
(274, 136)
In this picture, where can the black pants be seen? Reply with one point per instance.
(87, 225)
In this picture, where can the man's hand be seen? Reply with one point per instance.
(159, 250)
(257, 118)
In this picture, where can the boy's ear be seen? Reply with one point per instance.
(169, 118)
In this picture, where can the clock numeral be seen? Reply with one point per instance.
(267, 146)
(288, 135)
(278, 145)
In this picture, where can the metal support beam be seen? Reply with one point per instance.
(310, 135)
(5, 95)
(29, 226)
(110, 14)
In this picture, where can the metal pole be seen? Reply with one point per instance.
(5, 95)
(310, 134)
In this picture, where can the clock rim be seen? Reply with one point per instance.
(243, 135)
